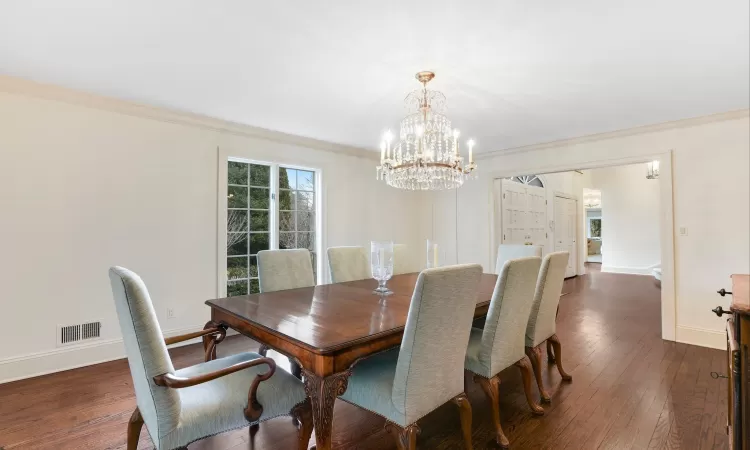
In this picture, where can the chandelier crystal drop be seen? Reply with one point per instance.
(426, 155)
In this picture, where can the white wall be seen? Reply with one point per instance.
(711, 168)
(630, 218)
(87, 183)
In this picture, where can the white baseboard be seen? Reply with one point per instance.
(702, 337)
(73, 357)
(628, 270)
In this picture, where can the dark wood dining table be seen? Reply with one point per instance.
(326, 329)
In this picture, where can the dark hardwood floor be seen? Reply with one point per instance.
(630, 389)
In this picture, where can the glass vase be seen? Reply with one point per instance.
(435, 254)
(381, 261)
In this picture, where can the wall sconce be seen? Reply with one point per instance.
(652, 170)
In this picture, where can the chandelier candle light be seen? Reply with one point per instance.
(427, 156)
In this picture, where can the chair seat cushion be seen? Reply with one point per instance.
(217, 406)
(371, 386)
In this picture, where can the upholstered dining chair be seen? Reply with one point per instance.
(348, 264)
(186, 405)
(401, 260)
(506, 252)
(403, 385)
(501, 343)
(541, 327)
(280, 270)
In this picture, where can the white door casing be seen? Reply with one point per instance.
(565, 232)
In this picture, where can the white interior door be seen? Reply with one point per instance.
(523, 214)
(565, 231)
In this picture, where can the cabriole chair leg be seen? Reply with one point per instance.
(134, 429)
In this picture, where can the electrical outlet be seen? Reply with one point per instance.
(683, 231)
(170, 313)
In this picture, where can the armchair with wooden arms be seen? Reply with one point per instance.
(186, 405)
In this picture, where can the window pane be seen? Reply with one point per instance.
(306, 240)
(287, 241)
(258, 242)
(305, 180)
(254, 286)
(259, 220)
(287, 178)
(237, 197)
(236, 221)
(305, 201)
(286, 200)
(236, 243)
(286, 221)
(237, 173)
(260, 175)
(259, 198)
(236, 267)
(253, 266)
(305, 221)
(236, 288)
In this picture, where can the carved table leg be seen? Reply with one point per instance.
(134, 429)
(323, 393)
(406, 438)
(302, 413)
(491, 387)
(210, 341)
(558, 359)
(525, 366)
(535, 355)
(464, 410)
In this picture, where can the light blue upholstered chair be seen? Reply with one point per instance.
(279, 270)
(506, 252)
(348, 264)
(403, 385)
(541, 327)
(186, 405)
(501, 343)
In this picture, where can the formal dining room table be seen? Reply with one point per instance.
(326, 329)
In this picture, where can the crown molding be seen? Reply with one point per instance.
(645, 129)
(19, 86)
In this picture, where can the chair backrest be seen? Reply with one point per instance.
(348, 264)
(506, 252)
(279, 270)
(546, 298)
(146, 351)
(503, 338)
(401, 259)
(430, 367)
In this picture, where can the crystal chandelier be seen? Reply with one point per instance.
(426, 157)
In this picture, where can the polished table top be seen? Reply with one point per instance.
(329, 317)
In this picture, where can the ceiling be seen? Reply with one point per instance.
(514, 72)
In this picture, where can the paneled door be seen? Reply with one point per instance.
(523, 213)
(566, 231)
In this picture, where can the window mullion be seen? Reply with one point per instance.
(274, 225)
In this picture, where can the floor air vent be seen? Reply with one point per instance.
(70, 334)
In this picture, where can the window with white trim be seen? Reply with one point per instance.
(269, 206)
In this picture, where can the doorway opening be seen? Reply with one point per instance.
(607, 219)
